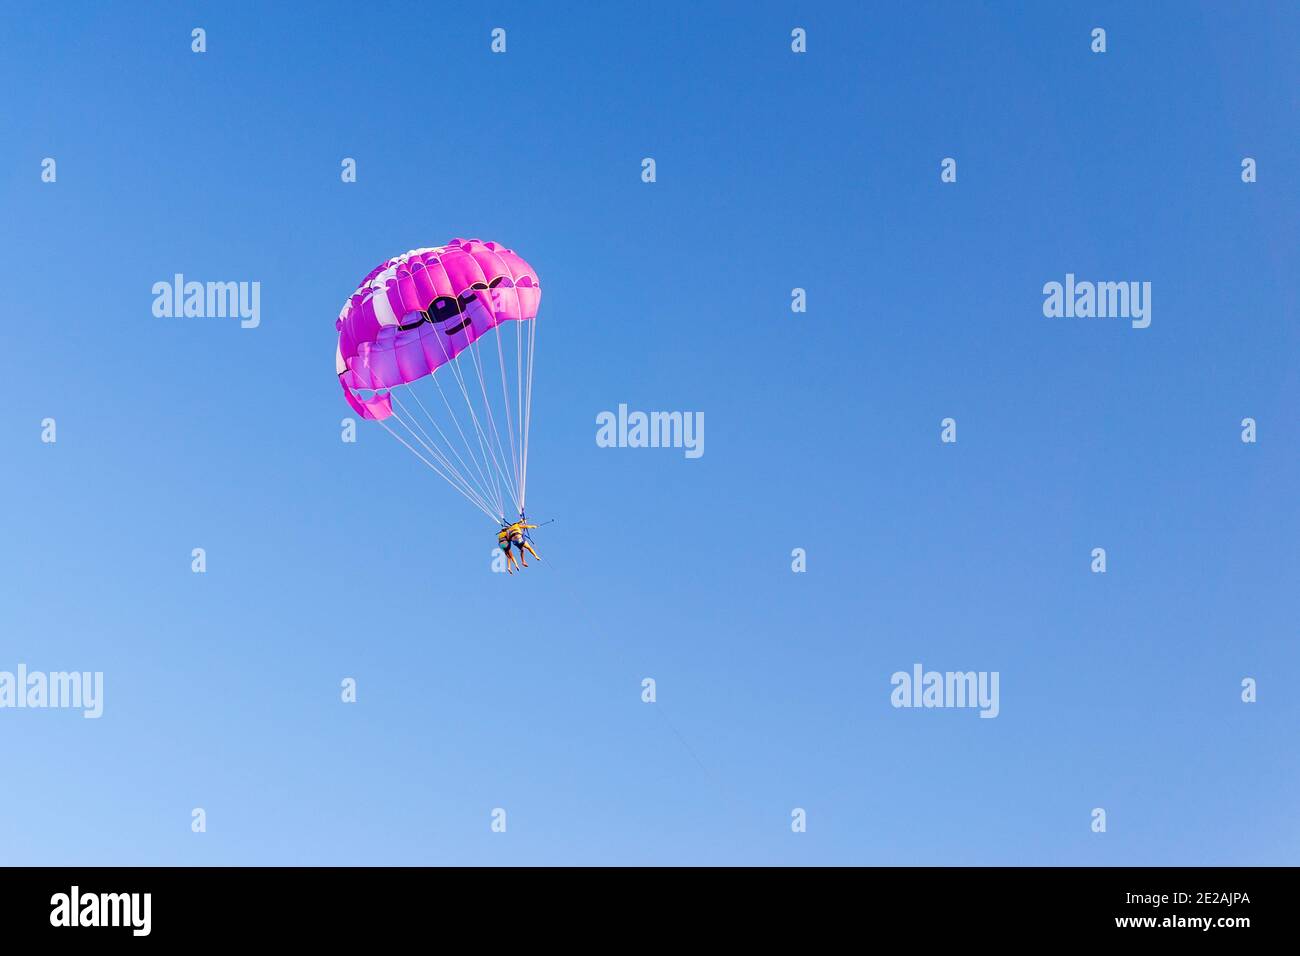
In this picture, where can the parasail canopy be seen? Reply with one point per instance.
(430, 321)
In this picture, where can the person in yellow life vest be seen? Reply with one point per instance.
(515, 534)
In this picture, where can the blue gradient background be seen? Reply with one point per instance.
(821, 171)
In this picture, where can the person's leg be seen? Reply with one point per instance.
(530, 550)
(510, 559)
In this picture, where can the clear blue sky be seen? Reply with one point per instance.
(775, 171)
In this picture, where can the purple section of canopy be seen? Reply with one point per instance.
(480, 285)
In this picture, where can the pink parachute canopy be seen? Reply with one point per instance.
(420, 310)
